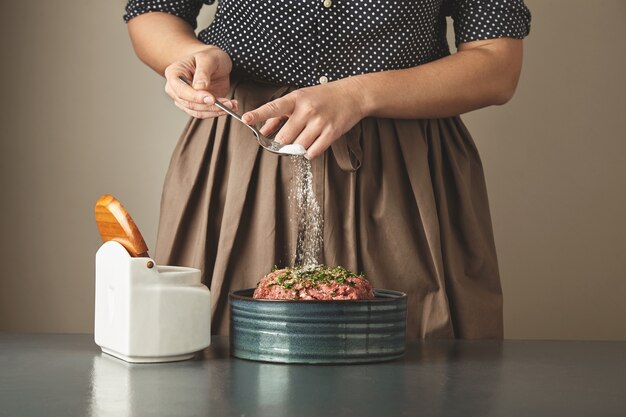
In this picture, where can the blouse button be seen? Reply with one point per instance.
(323, 79)
(328, 3)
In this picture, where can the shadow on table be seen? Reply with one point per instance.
(431, 380)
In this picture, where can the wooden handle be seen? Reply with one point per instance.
(114, 223)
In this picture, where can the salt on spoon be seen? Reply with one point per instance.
(293, 149)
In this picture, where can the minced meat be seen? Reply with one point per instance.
(314, 283)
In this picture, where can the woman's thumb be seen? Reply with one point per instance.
(202, 76)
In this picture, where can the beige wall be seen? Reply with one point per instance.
(81, 117)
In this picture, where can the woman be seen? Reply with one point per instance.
(372, 92)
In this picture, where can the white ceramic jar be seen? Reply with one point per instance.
(149, 313)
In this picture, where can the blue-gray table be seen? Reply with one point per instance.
(67, 375)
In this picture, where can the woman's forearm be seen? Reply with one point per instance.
(160, 39)
(482, 73)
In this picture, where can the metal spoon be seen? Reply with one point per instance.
(266, 143)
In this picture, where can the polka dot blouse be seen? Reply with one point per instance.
(304, 43)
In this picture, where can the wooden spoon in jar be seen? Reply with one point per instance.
(114, 223)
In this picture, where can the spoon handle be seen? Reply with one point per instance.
(229, 111)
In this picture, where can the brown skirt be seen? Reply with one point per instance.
(403, 201)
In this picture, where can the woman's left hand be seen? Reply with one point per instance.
(317, 116)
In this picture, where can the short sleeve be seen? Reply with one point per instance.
(185, 9)
(488, 19)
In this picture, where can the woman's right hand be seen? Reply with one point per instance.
(209, 72)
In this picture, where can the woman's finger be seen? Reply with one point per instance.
(231, 104)
(200, 114)
(272, 125)
(178, 89)
(208, 108)
(276, 108)
(290, 131)
(308, 136)
(320, 145)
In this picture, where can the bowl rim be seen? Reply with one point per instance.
(391, 296)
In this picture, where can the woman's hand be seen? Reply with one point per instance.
(317, 116)
(209, 73)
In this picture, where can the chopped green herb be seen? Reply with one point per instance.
(313, 276)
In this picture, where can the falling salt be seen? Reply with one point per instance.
(293, 149)
(308, 213)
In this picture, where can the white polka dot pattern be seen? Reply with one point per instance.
(300, 42)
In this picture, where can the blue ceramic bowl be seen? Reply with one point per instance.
(328, 331)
